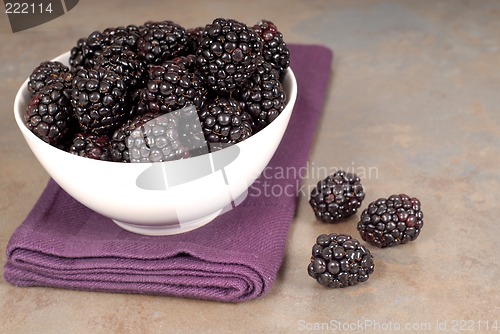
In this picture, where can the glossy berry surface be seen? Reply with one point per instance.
(227, 54)
(224, 122)
(336, 197)
(157, 137)
(123, 62)
(339, 261)
(91, 146)
(47, 72)
(263, 96)
(171, 86)
(99, 98)
(87, 49)
(49, 114)
(275, 51)
(160, 41)
(391, 221)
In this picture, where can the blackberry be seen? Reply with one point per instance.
(263, 95)
(392, 221)
(275, 50)
(47, 72)
(160, 41)
(99, 99)
(49, 113)
(171, 87)
(83, 55)
(224, 122)
(227, 54)
(91, 146)
(339, 261)
(336, 197)
(152, 137)
(125, 37)
(123, 62)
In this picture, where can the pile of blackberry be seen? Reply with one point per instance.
(340, 260)
(185, 91)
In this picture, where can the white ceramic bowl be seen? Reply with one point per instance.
(124, 192)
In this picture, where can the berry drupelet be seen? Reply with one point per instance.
(388, 222)
(227, 54)
(339, 261)
(49, 113)
(336, 197)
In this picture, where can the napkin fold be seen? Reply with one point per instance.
(236, 257)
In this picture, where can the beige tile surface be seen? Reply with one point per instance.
(413, 107)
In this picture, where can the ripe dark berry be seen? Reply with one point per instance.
(392, 221)
(339, 261)
(99, 98)
(124, 37)
(160, 41)
(91, 146)
(171, 87)
(124, 63)
(49, 114)
(224, 123)
(149, 138)
(275, 50)
(47, 72)
(263, 95)
(83, 54)
(227, 54)
(336, 197)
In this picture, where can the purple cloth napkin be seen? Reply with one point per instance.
(236, 257)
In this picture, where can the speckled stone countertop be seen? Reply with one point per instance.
(413, 106)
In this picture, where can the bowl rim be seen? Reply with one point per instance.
(23, 94)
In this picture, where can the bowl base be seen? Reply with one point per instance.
(168, 229)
